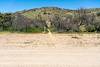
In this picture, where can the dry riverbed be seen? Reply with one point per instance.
(49, 50)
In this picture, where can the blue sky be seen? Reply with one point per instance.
(17, 5)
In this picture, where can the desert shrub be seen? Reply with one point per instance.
(32, 30)
(82, 28)
(97, 26)
(90, 28)
(98, 13)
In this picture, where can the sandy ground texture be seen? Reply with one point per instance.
(49, 50)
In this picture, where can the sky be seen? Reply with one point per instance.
(18, 5)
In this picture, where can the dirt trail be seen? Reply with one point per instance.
(41, 50)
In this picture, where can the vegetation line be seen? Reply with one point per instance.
(53, 18)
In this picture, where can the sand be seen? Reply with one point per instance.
(49, 50)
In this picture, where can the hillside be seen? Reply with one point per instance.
(53, 18)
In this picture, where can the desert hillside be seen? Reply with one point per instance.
(53, 18)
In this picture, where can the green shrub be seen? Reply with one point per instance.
(91, 28)
(98, 13)
(35, 30)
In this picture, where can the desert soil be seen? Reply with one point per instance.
(49, 50)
